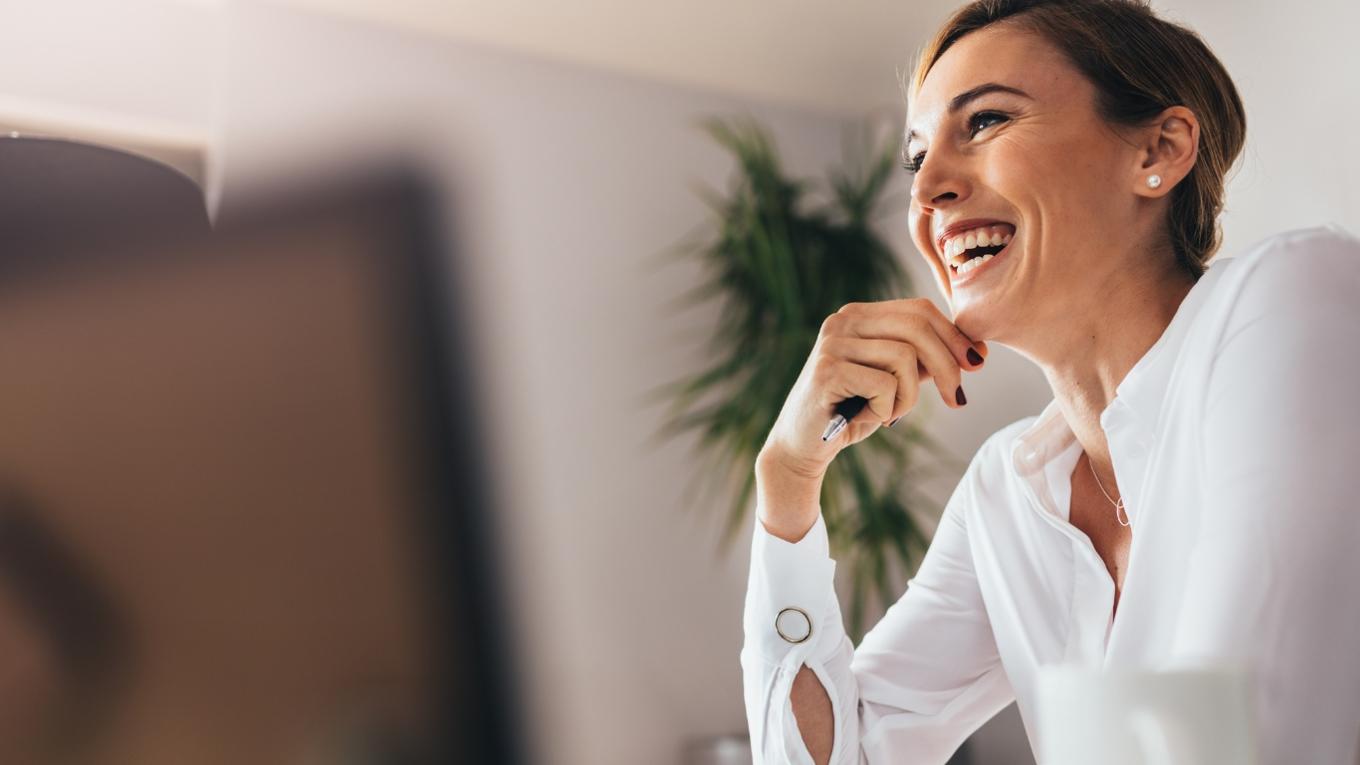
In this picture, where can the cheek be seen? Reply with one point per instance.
(1060, 188)
(1074, 175)
(1024, 169)
(919, 226)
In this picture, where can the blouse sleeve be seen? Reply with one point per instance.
(922, 680)
(1273, 585)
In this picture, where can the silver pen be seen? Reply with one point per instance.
(845, 412)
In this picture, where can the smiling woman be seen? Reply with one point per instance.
(1109, 44)
(1067, 97)
(1188, 477)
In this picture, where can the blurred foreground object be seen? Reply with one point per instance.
(263, 518)
(1181, 716)
(57, 188)
(781, 266)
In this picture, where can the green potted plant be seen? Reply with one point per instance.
(779, 262)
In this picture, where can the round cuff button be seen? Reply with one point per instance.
(793, 625)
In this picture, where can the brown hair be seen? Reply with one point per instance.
(1140, 65)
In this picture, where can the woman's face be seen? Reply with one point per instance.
(1044, 163)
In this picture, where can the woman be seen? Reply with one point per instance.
(1184, 498)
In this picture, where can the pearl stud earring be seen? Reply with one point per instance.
(1154, 181)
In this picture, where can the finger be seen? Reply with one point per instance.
(933, 354)
(958, 343)
(892, 356)
(878, 387)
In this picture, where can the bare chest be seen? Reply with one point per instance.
(1095, 516)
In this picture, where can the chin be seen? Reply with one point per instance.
(975, 321)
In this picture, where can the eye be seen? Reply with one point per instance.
(982, 117)
(913, 165)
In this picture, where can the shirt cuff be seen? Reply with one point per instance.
(792, 590)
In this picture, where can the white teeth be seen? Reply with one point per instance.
(957, 245)
(974, 263)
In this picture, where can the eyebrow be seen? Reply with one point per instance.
(972, 94)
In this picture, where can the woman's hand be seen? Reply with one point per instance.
(881, 351)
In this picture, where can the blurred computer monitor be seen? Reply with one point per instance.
(242, 513)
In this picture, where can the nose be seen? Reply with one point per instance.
(940, 181)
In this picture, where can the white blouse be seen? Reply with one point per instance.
(1234, 440)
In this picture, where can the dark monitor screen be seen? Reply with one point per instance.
(242, 517)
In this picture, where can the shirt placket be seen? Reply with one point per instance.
(1092, 588)
(1092, 610)
(1129, 438)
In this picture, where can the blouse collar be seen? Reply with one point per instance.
(1139, 395)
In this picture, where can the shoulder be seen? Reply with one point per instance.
(1280, 315)
(1327, 240)
(1299, 273)
(1298, 257)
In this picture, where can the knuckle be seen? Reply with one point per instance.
(923, 304)
(909, 359)
(927, 308)
(884, 402)
(891, 385)
(902, 389)
(908, 395)
(832, 324)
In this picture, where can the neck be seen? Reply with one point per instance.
(1086, 358)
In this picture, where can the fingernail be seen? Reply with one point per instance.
(959, 397)
(974, 357)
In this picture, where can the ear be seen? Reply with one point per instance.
(1168, 148)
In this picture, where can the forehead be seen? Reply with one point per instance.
(1002, 53)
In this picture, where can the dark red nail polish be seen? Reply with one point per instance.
(959, 397)
(974, 357)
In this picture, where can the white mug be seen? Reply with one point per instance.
(1127, 717)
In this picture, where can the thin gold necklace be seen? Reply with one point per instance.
(1118, 506)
